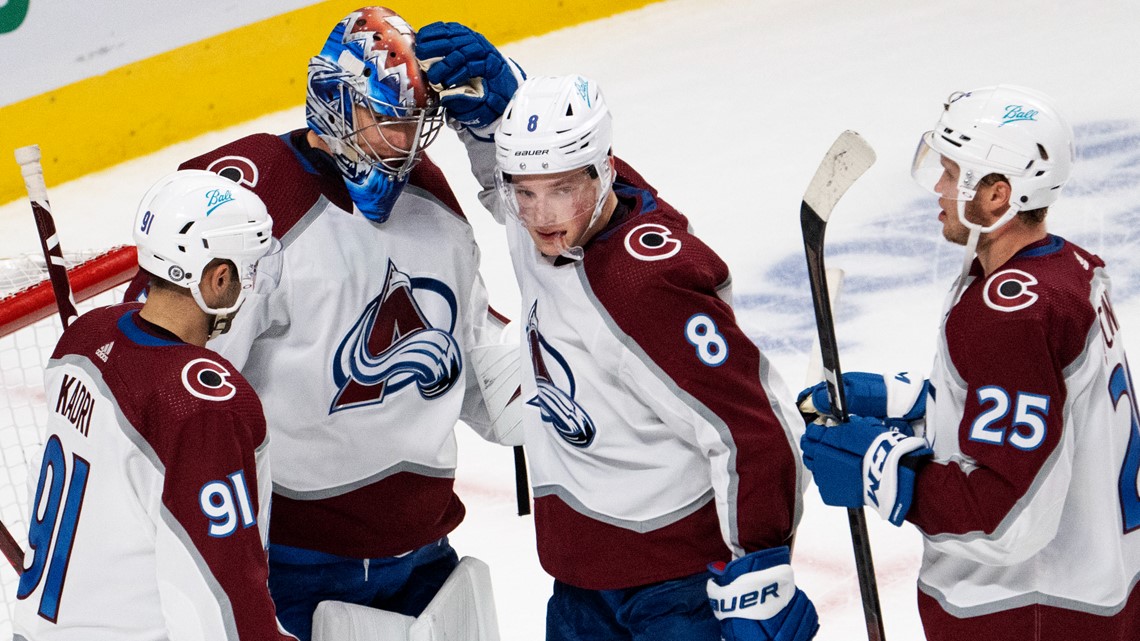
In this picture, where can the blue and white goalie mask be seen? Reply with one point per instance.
(369, 102)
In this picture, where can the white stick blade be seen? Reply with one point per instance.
(849, 157)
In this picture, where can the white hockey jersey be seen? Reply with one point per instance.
(659, 437)
(151, 501)
(1031, 508)
(356, 339)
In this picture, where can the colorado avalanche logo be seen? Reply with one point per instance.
(239, 169)
(651, 242)
(558, 408)
(1008, 290)
(207, 380)
(393, 345)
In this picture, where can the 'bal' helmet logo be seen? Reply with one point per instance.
(393, 345)
(216, 198)
(558, 407)
(1008, 290)
(1017, 113)
(208, 380)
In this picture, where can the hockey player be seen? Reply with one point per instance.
(1024, 481)
(660, 439)
(150, 512)
(362, 352)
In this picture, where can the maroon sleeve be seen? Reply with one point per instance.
(209, 460)
(1007, 360)
(671, 310)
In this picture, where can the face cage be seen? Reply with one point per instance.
(428, 123)
(601, 185)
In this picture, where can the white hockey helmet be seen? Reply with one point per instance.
(1008, 130)
(553, 125)
(191, 217)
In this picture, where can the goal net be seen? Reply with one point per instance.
(29, 329)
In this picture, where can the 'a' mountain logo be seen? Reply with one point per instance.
(393, 345)
(557, 405)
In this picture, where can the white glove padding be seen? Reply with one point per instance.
(497, 369)
(756, 599)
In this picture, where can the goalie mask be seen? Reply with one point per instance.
(368, 101)
(557, 133)
(192, 217)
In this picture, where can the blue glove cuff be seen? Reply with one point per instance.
(755, 599)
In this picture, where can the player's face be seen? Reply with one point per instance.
(952, 227)
(556, 208)
(947, 187)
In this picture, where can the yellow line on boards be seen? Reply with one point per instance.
(228, 79)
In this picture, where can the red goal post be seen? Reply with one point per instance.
(89, 278)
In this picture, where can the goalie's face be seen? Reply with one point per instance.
(392, 142)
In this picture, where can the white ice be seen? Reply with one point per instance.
(726, 107)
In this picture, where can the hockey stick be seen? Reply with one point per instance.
(834, 279)
(29, 160)
(522, 483)
(849, 157)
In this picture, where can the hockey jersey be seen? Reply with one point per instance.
(150, 503)
(1030, 510)
(660, 438)
(355, 338)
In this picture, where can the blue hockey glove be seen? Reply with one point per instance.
(864, 462)
(755, 598)
(475, 82)
(897, 397)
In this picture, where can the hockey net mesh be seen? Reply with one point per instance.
(29, 329)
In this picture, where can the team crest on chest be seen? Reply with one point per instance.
(557, 404)
(394, 344)
(1009, 290)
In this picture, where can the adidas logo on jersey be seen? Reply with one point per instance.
(105, 351)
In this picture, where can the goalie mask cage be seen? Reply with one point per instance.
(29, 329)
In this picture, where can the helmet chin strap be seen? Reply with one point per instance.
(218, 319)
(976, 232)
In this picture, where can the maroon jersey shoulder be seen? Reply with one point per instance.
(428, 176)
(161, 384)
(270, 167)
(640, 266)
(1044, 290)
